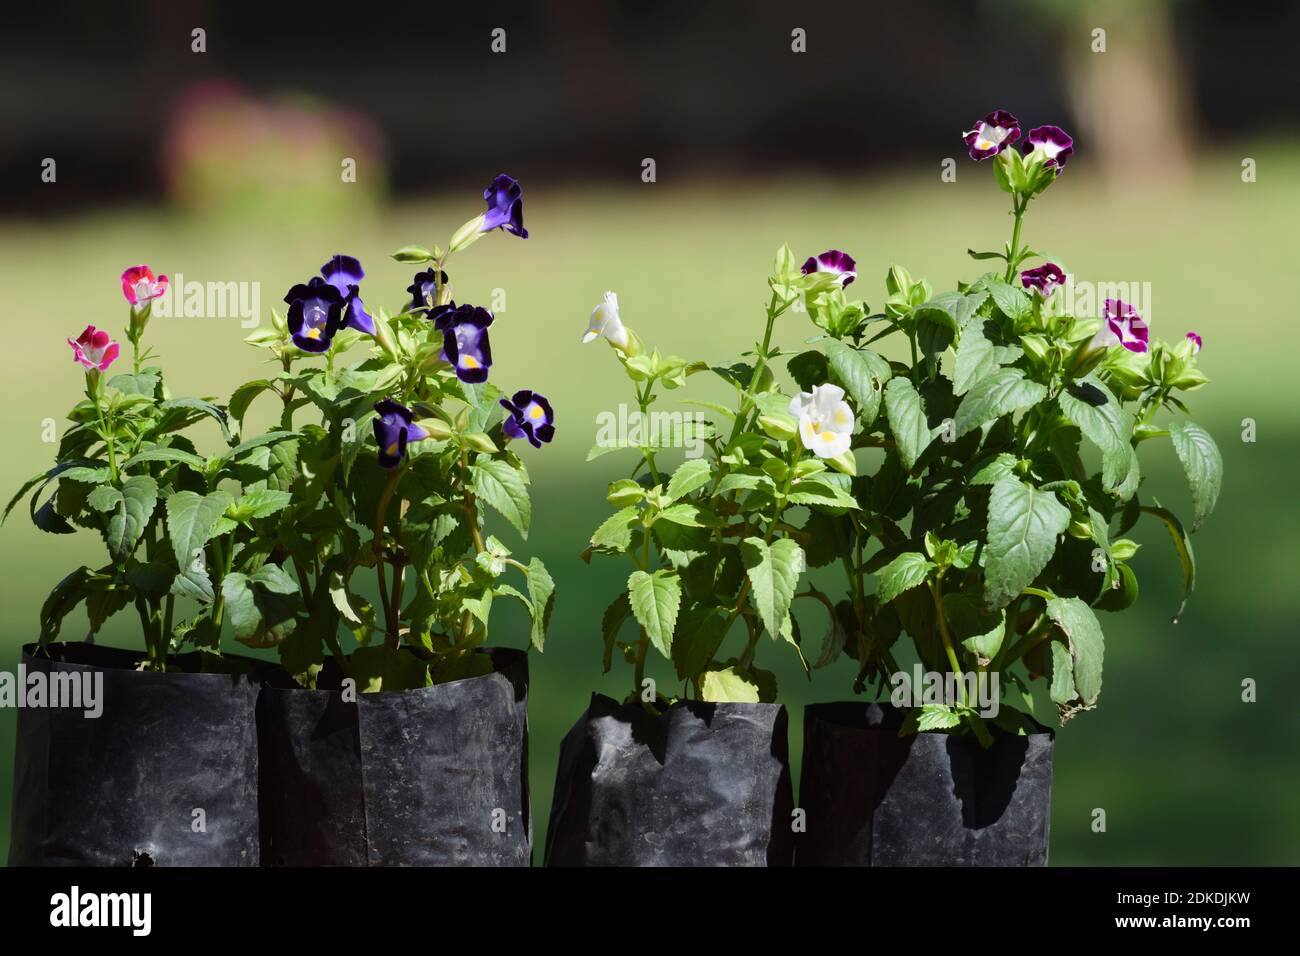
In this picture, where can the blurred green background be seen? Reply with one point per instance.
(1186, 772)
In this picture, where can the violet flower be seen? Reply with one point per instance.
(1052, 143)
(1122, 326)
(833, 261)
(315, 314)
(394, 429)
(505, 207)
(424, 290)
(1047, 278)
(992, 135)
(530, 416)
(345, 274)
(465, 344)
(93, 349)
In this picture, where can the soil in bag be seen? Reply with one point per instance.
(429, 777)
(873, 798)
(699, 785)
(152, 769)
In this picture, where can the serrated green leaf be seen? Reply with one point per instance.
(615, 532)
(902, 574)
(1183, 548)
(1023, 524)
(132, 511)
(1000, 393)
(1086, 647)
(728, 686)
(1203, 465)
(505, 488)
(262, 606)
(1090, 405)
(907, 420)
(863, 374)
(541, 589)
(694, 473)
(655, 599)
(773, 571)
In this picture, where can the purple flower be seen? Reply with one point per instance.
(1046, 278)
(835, 262)
(465, 343)
(1196, 342)
(394, 428)
(1051, 142)
(315, 314)
(1123, 326)
(992, 134)
(345, 274)
(505, 208)
(424, 290)
(530, 417)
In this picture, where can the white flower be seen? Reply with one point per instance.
(825, 420)
(605, 321)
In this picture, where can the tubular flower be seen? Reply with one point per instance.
(465, 344)
(606, 323)
(315, 314)
(825, 420)
(394, 429)
(505, 207)
(140, 287)
(835, 262)
(1052, 143)
(345, 274)
(530, 416)
(992, 134)
(424, 290)
(93, 349)
(1196, 341)
(1047, 278)
(1121, 325)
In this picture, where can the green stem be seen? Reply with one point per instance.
(1018, 210)
(936, 592)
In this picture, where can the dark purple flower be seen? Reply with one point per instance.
(505, 208)
(1196, 342)
(530, 416)
(1124, 325)
(465, 343)
(425, 289)
(833, 261)
(394, 428)
(1051, 142)
(1046, 278)
(345, 274)
(315, 314)
(992, 134)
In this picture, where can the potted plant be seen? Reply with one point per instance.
(991, 543)
(699, 775)
(412, 749)
(123, 757)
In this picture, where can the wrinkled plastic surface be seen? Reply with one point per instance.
(122, 789)
(429, 777)
(875, 799)
(701, 785)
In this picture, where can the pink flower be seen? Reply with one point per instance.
(93, 349)
(1123, 326)
(140, 287)
(1196, 342)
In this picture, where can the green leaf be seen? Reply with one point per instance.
(260, 503)
(146, 383)
(1012, 302)
(685, 513)
(1203, 465)
(976, 359)
(191, 520)
(1183, 547)
(243, 397)
(504, 487)
(1002, 392)
(384, 668)
(1087, 648)
(270, 438)
(1090, 405)
(906, 420)
(655, 600)
(980, 631)
(541, 589)
(693, 473)
(132, 510)
(1023, 524)
(1062, 691)
(610, 624)
(615, 532)
(728, 686)
(179, 412)
(262, 606)
(936, 717)
(862, 373)
(165, 454)
(902, 574)
(988, 472)
(773, 571)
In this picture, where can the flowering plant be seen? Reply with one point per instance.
(724, 538)
(991, 543)
(127, 469)
(411, 442)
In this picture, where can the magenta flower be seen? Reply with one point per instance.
(530, 416)
(1196, 342)
(992, 134)
(93, 349)
(1047, 278)
(1052, 143)
(140, 287)
(1123, 326)
(835, 262)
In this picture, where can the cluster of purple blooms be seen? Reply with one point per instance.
(321, 307)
